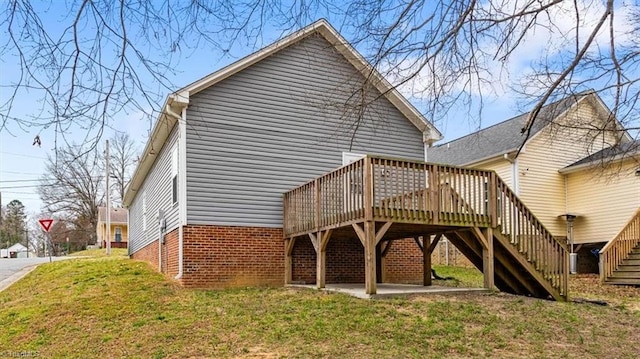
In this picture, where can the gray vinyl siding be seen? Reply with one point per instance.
(157, 186)
(276, 125)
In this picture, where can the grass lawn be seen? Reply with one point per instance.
(115, 307)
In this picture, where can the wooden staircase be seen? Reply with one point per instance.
(628, 272)
(620, 257)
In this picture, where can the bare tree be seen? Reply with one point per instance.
(120, 56)
(72, 188)
(123, 161)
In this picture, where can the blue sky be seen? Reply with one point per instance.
(22, 164)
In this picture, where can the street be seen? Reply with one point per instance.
(11, 266)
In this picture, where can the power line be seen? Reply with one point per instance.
(21, 180)
(17, 192)
(21, 173)
(22, 155)
(29, 186)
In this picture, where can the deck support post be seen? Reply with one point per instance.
(321, 266)
(288, 262)
(426, 260)
(428, 246)
(320, 240)
(370, 257)
(488, 259)
(369, 236)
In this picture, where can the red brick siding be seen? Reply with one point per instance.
(345, 261)
(228, 256)
(170, 253)
(149, 254)
(402, 263)
(303, 262)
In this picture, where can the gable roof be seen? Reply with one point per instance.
(180, 99)
(18, 247)
(323, 28)
(502, 138)
(617, 152)
(118, 215)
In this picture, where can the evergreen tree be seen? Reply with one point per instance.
(13, 224)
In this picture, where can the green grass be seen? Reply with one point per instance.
(100, 253)
(116, 307)
(460, 276)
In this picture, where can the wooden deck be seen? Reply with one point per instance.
(381, 199)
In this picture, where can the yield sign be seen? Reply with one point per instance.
(46, 224)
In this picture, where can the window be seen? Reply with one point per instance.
(118, 234)
(144, 211)
(174, 174)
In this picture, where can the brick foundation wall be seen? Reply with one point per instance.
(402, 263)
(303, 262)
(170, 254)
(228, 256)
(345, 261)
(148, 254)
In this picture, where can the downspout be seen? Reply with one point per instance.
(159, 243)
(427, 142)
(514, 173)
(180, 117)
(182, 189)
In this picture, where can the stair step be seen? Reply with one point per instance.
(632, 262)
(626, 274)
(634, 256)
(623, 281)
(627, 266)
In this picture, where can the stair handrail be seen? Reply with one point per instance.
(619, 247)
(555, 270)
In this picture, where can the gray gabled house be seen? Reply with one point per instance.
(205, 201)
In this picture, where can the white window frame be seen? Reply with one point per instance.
(117, 229)
(352, 196)
(174, 174)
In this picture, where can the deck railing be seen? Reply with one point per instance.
(527, 234)
(618, 248)
(398, 190)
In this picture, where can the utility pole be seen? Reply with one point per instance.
(108, 174)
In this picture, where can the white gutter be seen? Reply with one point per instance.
(591, 164)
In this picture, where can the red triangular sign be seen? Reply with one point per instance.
(46, 224)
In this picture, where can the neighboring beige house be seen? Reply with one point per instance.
(559, 169)
(119, 227)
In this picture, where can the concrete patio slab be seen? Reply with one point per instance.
(389, 290)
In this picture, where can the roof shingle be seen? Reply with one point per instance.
(501, 138)
(118, 215)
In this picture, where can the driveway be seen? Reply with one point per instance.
(12, 269)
